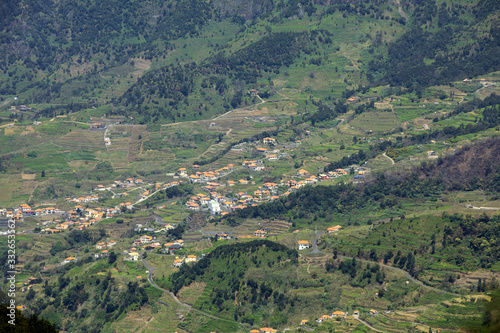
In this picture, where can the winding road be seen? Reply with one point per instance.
(176, 300)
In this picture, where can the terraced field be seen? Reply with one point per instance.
(78, 140)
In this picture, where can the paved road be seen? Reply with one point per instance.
(315, 243)
(176, 300)
(485, 208)
(366, 324)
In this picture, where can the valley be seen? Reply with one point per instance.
(252, 167)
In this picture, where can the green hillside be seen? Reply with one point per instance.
(366, 130)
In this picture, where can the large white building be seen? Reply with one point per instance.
(214, 207)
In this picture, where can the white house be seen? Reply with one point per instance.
(303, 244)
(134, 256)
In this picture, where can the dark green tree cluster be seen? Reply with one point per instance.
(73, 296)
(440, 33)
(165, 94)
(479, 233)
(24, 324)
(225, 271)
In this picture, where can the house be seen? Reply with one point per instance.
(222, 236)
(255, 167)
(272, 157)
(267, 330)
(253, 92)
(355, 313)
(334, 229)
(303, 244)
(100, 246)
(194, 178)
(69, 259)
(204, 200)
(373, 312)
(171, 247)
(145, 239)
(190, 258)
(261, 150)
(338, 314)
(134, 256)
(269, 140)
(192, 205)
(322, 318)
(302, 173)
(177, 263)
(260, 233)
(182, 172)
(303, 322)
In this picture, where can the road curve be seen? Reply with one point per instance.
(176, 300)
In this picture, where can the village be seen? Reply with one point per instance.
(216, 199)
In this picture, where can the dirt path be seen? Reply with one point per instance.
(400, 10)
(392, 161)
(241, 109)
(74, 122)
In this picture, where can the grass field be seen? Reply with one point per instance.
(375, 121)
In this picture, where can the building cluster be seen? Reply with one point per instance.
(178, 262)
(206, 176)
(264, 330)
(333, 315)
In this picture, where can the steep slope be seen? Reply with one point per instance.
(443, 43)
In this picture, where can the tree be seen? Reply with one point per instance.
(24, 324)
(30, 295)
(43, 173)
(112, 257)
